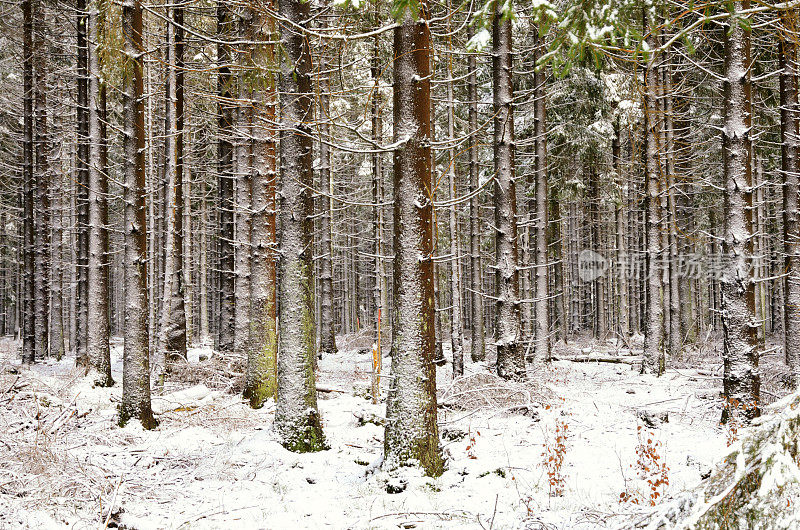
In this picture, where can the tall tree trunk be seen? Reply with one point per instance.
(82, 189)
(136, 357)
(297, 419)
(740, 356)
(28, 261)
(243, 164)
(790, 172)
(97, 345)
(225, 216)
(172, 335)
(177, 338)
(42, 177)
(411, 429)
(653, 359)
(510, 357)
(327, 342)
(456, 322)
(204, 277)
(478, 347)
(378, 292)
(675, 340)
(623, 326)
(597, 290)
(261, 380)
(541, 325)
(57, 328)
(244, 197)
(681, 145)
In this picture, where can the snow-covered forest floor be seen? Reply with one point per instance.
(214, 463)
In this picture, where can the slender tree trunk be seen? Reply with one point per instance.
(510, 357)
(456, 322)
(172, 335)
(790, 171)
(28, 258)
(136, 360)
(377, 184)
(97, 345)
(559, 284)
(261, 381)
(225, 216)
(541, 325)
(243, 164)
(595, 243)
(177, 337)
(82, 195)
(244, 194)
(411, 429)
(203, 274)
(740, 357)
(675, 339)
(327, 343)
(623, 328)
(760, 251)
(478, 347)
(654, 359)
(681, 145)
(297, 419)
(42, 176)
(57, 328)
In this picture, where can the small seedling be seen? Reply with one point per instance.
(731, 418)
(553, 455)
(651, 468)
(471, 445)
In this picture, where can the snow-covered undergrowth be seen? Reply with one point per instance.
(214, 463)
(756, 485)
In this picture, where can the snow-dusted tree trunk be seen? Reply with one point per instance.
(97, 337)
(136, 357)
(177, 337)
(741, 380)
(327, 335)
(790, 171)
(674, 339)
(327, 342)
(541, 324)
(456, 312)
(42, 175)
(28, 262)
(623, 326)
(225, 214)
(204, 278)
(597, 292)
(653, 359)
(559, 315)
(379, 287)
(478, 346)
(82, 187)
(172, 335)
(411, 431)
(261, 380)
(57, 327)
(244, 194)
(297, 419)
(510, 357)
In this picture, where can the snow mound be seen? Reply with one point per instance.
(756, 485)
(483, 390)
(186, 399)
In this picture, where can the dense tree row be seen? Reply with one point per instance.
(476, 180)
